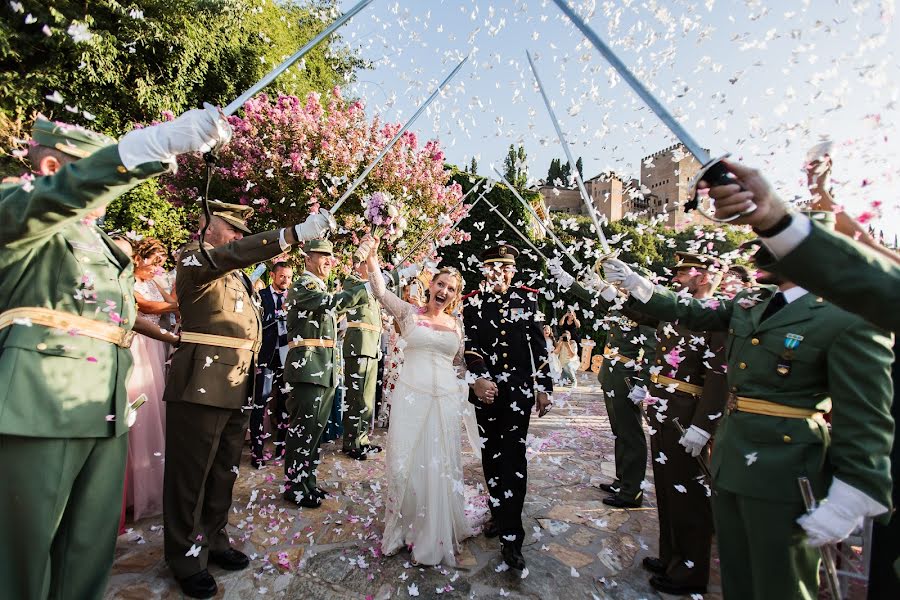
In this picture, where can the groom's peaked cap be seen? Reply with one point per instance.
(504, 253)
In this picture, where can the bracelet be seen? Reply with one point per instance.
(782, 224)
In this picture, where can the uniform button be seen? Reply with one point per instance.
(658, 361)
(505, 366)
(264, 242)
(216, 357)
(755, 341)
(504, 355)
(503, 320)
(787, 439)
(121, 169)
(503, 332)
(743, 365)
(42, 346)
(663, 348)
(731, 330)
(734, 388)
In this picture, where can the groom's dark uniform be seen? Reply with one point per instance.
(504, 343)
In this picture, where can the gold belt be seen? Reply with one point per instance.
(772, 409)
(313, 343)
(222, 341)
(361, 325)
(47, 317)
(610, 355)
(681, 386)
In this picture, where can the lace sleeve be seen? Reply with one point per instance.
(403, 312)
(459, 361)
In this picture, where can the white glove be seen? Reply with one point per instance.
(840, 513)
(618, 273)
(315, 226)
(564, 279)
(694, 440)
(197, 130)
(638, 393)
(592, 281)
(410, 271)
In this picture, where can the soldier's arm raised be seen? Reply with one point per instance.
(33, 212)
(235, 255)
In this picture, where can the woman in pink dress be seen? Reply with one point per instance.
(146, 439)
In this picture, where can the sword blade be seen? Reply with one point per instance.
(585, 197)
(559, 244)
(271, 75)
(516, 229)
(649, 99)
(399, 134)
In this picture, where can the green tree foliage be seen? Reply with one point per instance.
(117, 63)
(514, 166)
(579, 165)
(560, 172)
(473, 167)
(145, 213)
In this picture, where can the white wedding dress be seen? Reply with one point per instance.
(424, 497)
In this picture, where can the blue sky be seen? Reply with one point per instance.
(763, 80)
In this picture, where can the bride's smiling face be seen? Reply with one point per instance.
(443, 291)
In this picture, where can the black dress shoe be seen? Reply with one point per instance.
(230, 560)
(512, 556)
(199, 585)
(667, 586)
(609, 488)
(259, 464)
(620, 502)
(305, 502)
(320, 493)
(371, 449)
(490, 529)
(654, 565)
(357, 454)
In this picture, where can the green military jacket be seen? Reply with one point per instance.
(842, 362)
(362, 341)
(219, 301)
(845, 272)
(57, 384)
(312, 314)
(696, 358)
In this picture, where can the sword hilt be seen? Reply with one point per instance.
(713, 173)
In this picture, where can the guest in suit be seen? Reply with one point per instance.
(270, 369)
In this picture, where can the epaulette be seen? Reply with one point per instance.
(471, 294)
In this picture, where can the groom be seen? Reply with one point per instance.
(505, 350)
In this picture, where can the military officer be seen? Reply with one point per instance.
(310, 367)
(66, 314)
(688, 383)
(630, 341)
(789, 354)
(505, 351)
(209, 392)
(361, 352)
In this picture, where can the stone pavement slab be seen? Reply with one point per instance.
(575, 546)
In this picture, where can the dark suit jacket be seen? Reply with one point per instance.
(268, 353)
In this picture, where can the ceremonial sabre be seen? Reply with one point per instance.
(516, 229)
(585, 197)
(393, 141)
(712, 171)
(831, 578)
(435, 228)
(528, 207)
(271, 75)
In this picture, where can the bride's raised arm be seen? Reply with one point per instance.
(403, 312)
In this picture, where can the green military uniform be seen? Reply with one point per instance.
(312, 314)
(361, 352)
(63, 402)
(689, 384)
(210, 382)
(844, 272)
(630, 340)
(783, 372)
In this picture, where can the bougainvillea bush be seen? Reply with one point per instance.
(288, 157)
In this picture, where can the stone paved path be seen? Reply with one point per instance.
(576, 547)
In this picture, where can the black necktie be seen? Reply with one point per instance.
(775, 304)
(279, 299)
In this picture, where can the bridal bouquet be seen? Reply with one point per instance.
(385, 214)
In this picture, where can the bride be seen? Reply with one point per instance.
(425, 495)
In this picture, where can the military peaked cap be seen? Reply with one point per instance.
(504, 253)
(71, 139)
